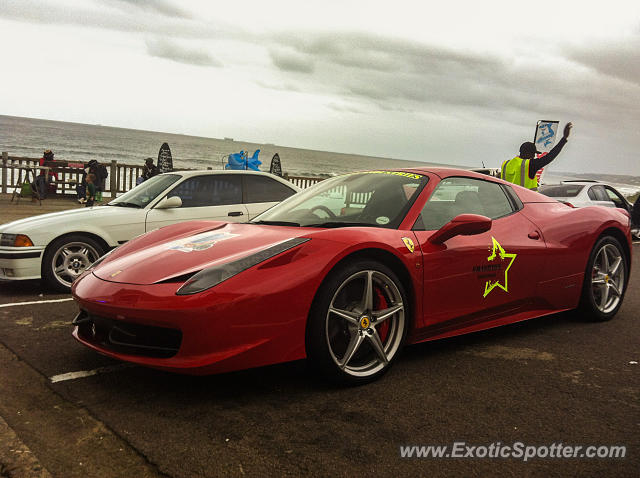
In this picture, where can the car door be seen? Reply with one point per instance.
(599, 196)
(262, 192)
(215, 197)
(471, 279)
(617, 199)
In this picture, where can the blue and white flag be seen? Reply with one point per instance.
(545, 137)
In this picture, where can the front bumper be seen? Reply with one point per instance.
(216, 331)
(20, 263)
(128, 337)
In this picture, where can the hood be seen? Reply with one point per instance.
(55, 220)
(191, 251)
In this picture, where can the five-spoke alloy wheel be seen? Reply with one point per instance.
(605, 280)
(358, 323)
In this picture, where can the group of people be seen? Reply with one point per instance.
(89, 188)
(92, 182)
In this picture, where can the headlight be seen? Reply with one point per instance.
(15, 240)
(207, 278)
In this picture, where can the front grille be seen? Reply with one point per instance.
(127, 337)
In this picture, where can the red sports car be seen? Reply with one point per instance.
(348, 271)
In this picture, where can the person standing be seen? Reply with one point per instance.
(46, 181)
(100, 174)
(149, 170)
(91, 189)
(522, 169)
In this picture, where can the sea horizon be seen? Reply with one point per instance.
(30, 144)
(80, 142)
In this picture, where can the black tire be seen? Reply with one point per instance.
(376, 339)
(66, 258)
(603, 290)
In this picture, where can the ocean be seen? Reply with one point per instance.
(77, 142)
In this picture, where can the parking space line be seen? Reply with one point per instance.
(36, 302)
(88, 373)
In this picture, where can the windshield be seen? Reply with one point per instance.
(146, 192)
(373, 198)
(561, 190)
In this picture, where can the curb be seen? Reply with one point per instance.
(16, 460)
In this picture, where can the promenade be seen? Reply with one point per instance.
(12, 211)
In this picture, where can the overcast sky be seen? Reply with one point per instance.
(452, 82)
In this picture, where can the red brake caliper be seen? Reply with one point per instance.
(381, 304)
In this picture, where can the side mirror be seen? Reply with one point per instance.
(462, 225)
(169, 203)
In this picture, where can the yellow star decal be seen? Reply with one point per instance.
(499, 251)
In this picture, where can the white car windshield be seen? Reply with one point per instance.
(373, 198)
(146, 192)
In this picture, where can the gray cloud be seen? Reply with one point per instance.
(388, 70)
(289, 86)
(617, 59)
(400, 75)
(289, 60)
(388, 73)
(169, 50)
(161, 7)
(127, 16)
(375, 52)
(344, 108)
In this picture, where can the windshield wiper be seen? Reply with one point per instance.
(124, 204)
(342, 224)
(277, 223)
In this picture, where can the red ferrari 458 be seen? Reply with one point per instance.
(348, 271)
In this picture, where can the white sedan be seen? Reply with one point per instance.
(583, 193)
(59, 246)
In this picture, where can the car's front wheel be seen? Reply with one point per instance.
(66, 258)
(605, 280)
(358, 323)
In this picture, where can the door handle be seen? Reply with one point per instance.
(235, 213)
(534, 235)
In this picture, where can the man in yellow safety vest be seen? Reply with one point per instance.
(522, 169)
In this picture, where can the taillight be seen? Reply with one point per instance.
(568, 204)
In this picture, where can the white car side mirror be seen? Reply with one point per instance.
(169, 203)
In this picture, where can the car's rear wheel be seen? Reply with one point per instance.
(605, 280)
(358, 323)
(66, 258)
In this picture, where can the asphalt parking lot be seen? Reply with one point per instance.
(550, 380)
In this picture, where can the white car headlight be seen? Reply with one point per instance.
(15, 240)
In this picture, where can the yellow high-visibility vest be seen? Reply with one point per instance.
(516, 171)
